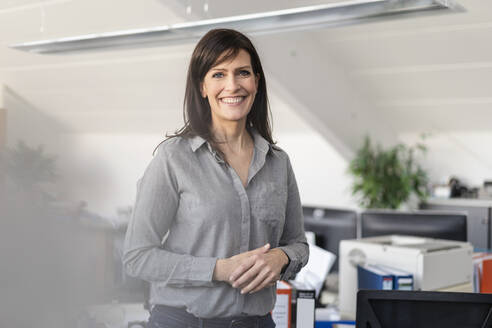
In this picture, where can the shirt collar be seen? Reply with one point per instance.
(196, 142)
(260, 142)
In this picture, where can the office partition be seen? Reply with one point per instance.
(433, 224)
(479, 217)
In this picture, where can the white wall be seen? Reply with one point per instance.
(27, 123)
(319, 89)
(321, 171)
(465, 155)
(103, 169)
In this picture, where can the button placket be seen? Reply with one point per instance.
(245, 210)
(245, 221)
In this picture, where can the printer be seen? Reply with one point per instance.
(436, 264)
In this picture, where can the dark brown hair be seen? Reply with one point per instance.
(216, 47)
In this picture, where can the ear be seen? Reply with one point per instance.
(257, 79)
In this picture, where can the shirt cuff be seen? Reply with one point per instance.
(202, 269)
(294, 265)
(195, 271)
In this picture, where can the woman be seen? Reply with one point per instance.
(218, 219)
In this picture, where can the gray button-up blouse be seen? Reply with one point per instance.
(192, 209)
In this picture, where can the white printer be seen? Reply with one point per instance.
(435, 263)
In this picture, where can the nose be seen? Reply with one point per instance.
(232, 83)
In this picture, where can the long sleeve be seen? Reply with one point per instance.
(155, 209)
(293, 241)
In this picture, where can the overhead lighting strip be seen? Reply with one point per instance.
(328, 15)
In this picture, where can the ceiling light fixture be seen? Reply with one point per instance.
(328, 15)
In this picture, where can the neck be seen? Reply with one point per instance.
(232, 136)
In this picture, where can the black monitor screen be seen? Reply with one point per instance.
(432, 224)
(330, 226)
(405, 309)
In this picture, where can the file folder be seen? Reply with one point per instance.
(281, 313)
(402, 280)
(486, 281)
(482, 272)
(372, 277)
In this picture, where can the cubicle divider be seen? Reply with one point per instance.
(479, 217)
(331, 225)
(424, 223)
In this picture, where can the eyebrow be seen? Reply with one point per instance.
(223, 69)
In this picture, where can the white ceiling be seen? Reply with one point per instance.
(422, 73)
(419, 73)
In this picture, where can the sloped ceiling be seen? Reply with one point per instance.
(386, 78)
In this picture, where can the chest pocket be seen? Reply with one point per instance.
(268, 211)
(270, 201)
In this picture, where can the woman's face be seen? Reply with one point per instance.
(230, 88)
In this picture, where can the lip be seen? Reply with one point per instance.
(221, 99)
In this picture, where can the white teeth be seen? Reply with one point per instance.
(232, 100)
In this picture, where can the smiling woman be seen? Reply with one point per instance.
(218, 218)
(230, 89)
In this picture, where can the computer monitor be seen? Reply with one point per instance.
(411, 309)
(432, 224)
(330, 226)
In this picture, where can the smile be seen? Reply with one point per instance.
(232, 100)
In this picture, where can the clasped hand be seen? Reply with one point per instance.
(253, 270)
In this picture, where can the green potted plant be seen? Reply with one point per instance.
(387, 178)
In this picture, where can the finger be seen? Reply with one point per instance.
(245, 265)
(244, 259)
(249, 274)
(273, 281)
(259, 280)
(260, 250)
(270, 281)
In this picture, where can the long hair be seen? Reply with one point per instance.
(214, 48)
